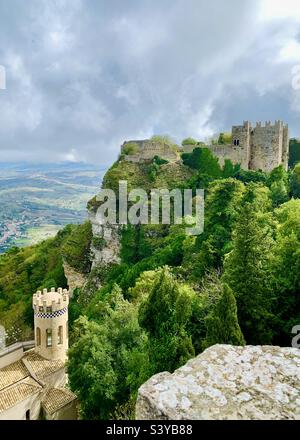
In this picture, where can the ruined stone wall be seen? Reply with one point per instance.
(189, 148)
(148, 149)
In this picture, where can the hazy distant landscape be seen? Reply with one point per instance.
(37, 200)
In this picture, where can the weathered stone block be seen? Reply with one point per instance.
(227, 383)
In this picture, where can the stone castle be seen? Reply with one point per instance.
(263, 147)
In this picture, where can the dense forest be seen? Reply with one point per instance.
(172, 295)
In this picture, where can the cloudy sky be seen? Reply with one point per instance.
(82, 76)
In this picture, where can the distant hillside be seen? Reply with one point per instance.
(38, 199)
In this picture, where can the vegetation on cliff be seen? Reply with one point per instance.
(171, 295)
(23, 271)
(228, 285)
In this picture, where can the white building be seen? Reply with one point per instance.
(32, 374)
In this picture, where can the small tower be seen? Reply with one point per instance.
(51, 323)
(241, 135)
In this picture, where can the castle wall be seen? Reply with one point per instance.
(223, 152)
(148, 149)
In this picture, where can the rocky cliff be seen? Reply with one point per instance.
(106, 242)
(227, 383)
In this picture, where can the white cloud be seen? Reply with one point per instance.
(84, 76)
(72, 156)
(290, 52)
(280, 9)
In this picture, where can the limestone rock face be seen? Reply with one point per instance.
(227, 383)
(110, 253)
(75, 279)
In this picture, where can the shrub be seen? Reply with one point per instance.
(76, 249)
(225, 139)
(99, 243)
(188, 141)
(130, 148)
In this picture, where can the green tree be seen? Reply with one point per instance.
(108, 359)
(279, 193)
(295, 182)
(165, 315)
(130, 148)
(188, 141)
(278, 174)
(222, 323)
(76, 249)
(204, 161)
(247, 268)
(221, 211)
(229, 169)
(286, 267)
(294, 156)
(164, 139)
(225, 138)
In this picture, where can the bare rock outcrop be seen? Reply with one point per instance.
(227, 383)
(109, 235)
(75, 279)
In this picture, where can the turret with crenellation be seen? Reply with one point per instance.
(51, 323)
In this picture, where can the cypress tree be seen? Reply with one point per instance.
(222, 323)
(247, 270)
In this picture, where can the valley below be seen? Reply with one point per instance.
(38, 200)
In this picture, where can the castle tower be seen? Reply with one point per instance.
(241, 135)
(269, 146)
(51, 323)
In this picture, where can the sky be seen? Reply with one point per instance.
(82, 76)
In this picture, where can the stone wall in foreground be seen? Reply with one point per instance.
(226, 383)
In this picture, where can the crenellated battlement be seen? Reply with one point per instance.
(50, 301)
(268, 124)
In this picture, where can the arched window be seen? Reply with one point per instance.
(60, 335)
(27, 415)
(38, 336)
(49, 337)
(236, 142)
